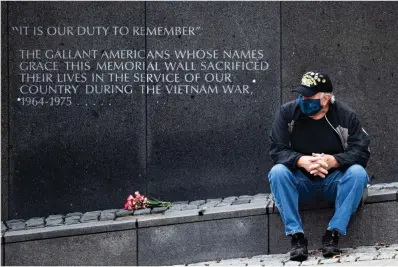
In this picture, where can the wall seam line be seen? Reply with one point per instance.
(136, 240)
(8, 111)
(146, 109)
(280, 52)
(146, 133)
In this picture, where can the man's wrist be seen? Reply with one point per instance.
(299, 161)
(334, 163)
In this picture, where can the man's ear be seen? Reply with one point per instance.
(327, 99)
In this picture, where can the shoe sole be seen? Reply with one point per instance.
(330, 252)
(299, 256)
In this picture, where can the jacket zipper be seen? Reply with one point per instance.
(338, 133)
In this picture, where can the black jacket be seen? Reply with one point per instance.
(342, 118)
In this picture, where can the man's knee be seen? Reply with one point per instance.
(278, 172)
(358, 173)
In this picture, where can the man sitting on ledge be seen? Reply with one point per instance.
(320, 150)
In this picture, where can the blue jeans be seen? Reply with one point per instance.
(345, 189)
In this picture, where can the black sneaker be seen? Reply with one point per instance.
(330, 241)
(299, 250)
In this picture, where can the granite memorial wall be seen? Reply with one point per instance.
(175, 99)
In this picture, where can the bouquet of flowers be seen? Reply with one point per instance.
(139, 201)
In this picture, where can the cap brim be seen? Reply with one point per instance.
(304, 90)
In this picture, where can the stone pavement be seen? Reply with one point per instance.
(393, 262)
(379, 255)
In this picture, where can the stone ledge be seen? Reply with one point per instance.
(68, 230)
(382, 192)
(176, 217)
(241, 210)
(213, 213)
(225, 225)
(181, 212)
(381, 196)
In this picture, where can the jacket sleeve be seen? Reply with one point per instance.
(280, 150)
(357, 150)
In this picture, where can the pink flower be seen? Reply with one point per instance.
(127, 206)
(130, 197)
(137, 193)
